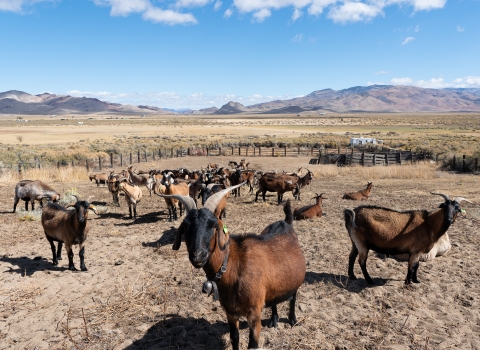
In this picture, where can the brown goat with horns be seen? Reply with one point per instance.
(389, 231)
(246, 272)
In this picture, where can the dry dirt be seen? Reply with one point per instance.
(140, 294)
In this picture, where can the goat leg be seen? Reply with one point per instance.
(351, 261)
(70, 254)
(414, 275)
(135, 211)
(81, 253)
(59, 251)
(362, 260)
(52, 245)
(130, 210)
(234, 333)
(274, 319)
(292, 319)
(255, 324)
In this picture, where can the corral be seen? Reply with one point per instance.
(140, 294)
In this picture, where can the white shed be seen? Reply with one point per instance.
(358, 141)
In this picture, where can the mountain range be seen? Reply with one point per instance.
(374, 98)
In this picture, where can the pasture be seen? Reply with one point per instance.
(140, 294)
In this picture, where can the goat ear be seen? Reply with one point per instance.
(178, 237)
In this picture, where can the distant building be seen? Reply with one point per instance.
(359, 141)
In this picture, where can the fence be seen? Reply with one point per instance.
(340, 156)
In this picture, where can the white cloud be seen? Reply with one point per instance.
(150, 12)
(227, 13)
(354, 12)
(18, 6)
(425, 5)
(297, 38)
(467, 82)
(192, 3)
(460, 29)
(402, 81)
(438, 83)
(261, 15)
(381, 72)
(170, 17)
(407, 40)
(317, 6)
(416, 29)
(217, 5)
(124, 7)
(296, 14)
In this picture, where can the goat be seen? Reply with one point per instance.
(359, 195)
(67, 227)
(113, 187)
(245, 272)
(276, 184)
(393, 232)
(232, 164)
(170, 188)
(133, 195)
(196, 187)
(31, 191)
(303, 181)
(141, 180)
(100, 178)
(310, 211)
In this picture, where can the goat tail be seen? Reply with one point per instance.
(287, 209)
(349, 216)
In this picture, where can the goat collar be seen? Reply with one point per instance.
(210, 286)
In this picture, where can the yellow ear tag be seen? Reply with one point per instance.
(463, 213)
(225, 229)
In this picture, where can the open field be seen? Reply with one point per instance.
(54, 139)
(140, 294)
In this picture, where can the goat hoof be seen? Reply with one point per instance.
(72, 268)
(414, 280)
(293, 322)
(84, 268)
(273, 322)
(55, 263)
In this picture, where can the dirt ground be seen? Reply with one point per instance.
(140, 294)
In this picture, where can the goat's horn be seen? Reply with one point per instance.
(93, 208)
(461, 199)
(212, 201)
(76, 196)
(447, 198)
(187, 201)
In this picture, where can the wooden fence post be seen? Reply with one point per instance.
(476, 164)
(121, 160)
(400, 157)
(220, 151)
(298, 150)
(363, 159)
(260, 151)
(374, 159)
(464, 168)
(232, 151)
(138, 156)
(273, 151)
(453, 163)
(153, 155)
(131, 159)
(172, 152)
(86, 165)
(145, 154)
(246, 151)
(159, 153)
(99, 163)
(207, 152)
(239, 151)
(319, 155)
(73, 163)
(386, 159)
(111, 160)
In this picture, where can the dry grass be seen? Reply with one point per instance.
(408, 171)
(48, 175)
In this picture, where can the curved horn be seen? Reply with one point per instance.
(461, 199)
(447, 198)
(93, 208)
(187, 201)
(212, 201)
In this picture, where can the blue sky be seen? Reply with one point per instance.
(202, 53)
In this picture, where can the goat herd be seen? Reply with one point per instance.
(248, 272)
